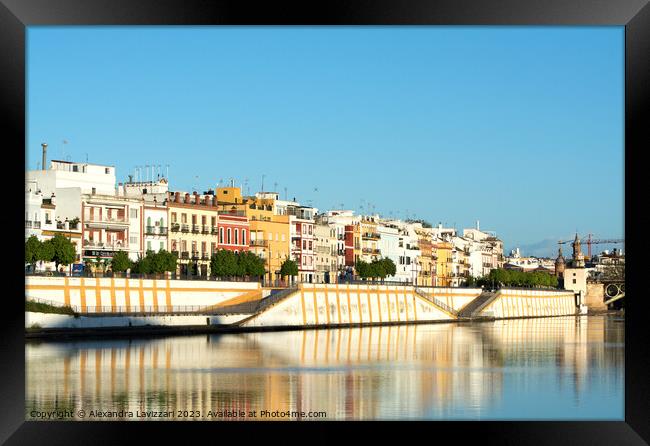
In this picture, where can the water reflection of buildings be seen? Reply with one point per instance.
(425, 371)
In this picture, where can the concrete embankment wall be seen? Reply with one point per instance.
(595, 298)
(455, 298)
(334, 304)
(88, 294)
(47, 320)
(530, 303)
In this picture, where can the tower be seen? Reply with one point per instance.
(560, 264)
(578, 258)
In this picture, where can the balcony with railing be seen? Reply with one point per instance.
(71, 226)
(205, 256)
(371, 236)
(32, 224)
(185, 227)
(260, 218)
(235, 213)
(196, 229)
(155, 230)
(205, 229)
(120, 220)
(97, 245)
(175, 227)
(195, 255)
(260, 243)
(176, 253)
(214, 230)
(185, 255)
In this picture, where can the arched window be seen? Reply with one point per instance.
(221, 235)
(236, 236)
(243, 236)
(229, 236)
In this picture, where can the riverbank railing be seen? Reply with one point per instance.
(435, 301)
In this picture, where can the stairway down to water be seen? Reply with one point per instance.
(473, 308)
(441, 305)
(256, 306)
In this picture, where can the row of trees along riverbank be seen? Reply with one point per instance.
(377, 269)
(224, 264)
(58, 249)
(506, 277)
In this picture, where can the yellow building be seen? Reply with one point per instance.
(270, 232)
(193, 230)
(369, 240)
(442, 256)
(427, 262)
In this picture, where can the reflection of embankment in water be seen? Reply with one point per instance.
(574, 346)
(350, 373)
(372, 372)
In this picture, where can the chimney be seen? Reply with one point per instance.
(44, 145)
(187, 198)
(177, 197)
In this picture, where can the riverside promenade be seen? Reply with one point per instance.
(109, 306)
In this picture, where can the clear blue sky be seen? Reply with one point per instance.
(520, 127)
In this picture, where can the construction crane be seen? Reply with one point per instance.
(591, 241)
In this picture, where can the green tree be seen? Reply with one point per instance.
(224, 264)
(120, 262)
(288, 268)
(46, 251)
(158, 262)
(171, 260)
(363, 269)
(64, 252)
(389, 267)
(32, 248)
(252, 263)
(142, 265)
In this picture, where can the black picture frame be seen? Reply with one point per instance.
(16, 15)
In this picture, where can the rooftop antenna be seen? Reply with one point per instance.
(220, 182)
(262, 183)
(246, 186)
(285, 193)
(232, 182)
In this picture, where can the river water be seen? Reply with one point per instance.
(569, 368)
